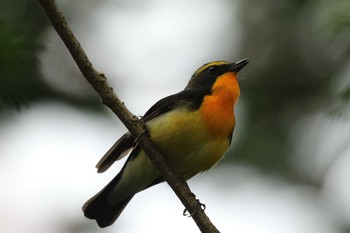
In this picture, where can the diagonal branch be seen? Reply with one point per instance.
(99, 83)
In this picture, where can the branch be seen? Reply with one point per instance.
(99, 83)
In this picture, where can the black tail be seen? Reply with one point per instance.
(104, 213)
(99, 207)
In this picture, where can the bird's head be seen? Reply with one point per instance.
(207, 75)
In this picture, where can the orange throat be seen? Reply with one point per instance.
(217, 108)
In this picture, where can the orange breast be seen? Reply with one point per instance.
(217, 108)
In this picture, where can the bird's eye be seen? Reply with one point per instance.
(211, 69)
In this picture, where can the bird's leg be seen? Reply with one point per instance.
(145, 130)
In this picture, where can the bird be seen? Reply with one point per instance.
(193, 128)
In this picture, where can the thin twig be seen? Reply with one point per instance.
(99, 83)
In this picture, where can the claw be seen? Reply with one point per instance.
(142, 121)
(203, 207)
(188, 214)
(184, 213)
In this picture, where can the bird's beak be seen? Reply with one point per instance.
(235, 67)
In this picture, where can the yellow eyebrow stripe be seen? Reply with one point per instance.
(214, 63)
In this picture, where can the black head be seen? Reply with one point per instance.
(207, 74)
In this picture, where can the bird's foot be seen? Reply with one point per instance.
(143, 124)
(188, 214)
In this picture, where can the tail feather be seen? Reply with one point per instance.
(106, 206)
(104, 213)
(100, 208)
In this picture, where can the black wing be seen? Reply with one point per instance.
(117, 151)
(127, 142)
(187, 98)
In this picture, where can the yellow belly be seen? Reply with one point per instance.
(188, 145)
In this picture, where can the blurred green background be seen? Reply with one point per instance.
(293, 116)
